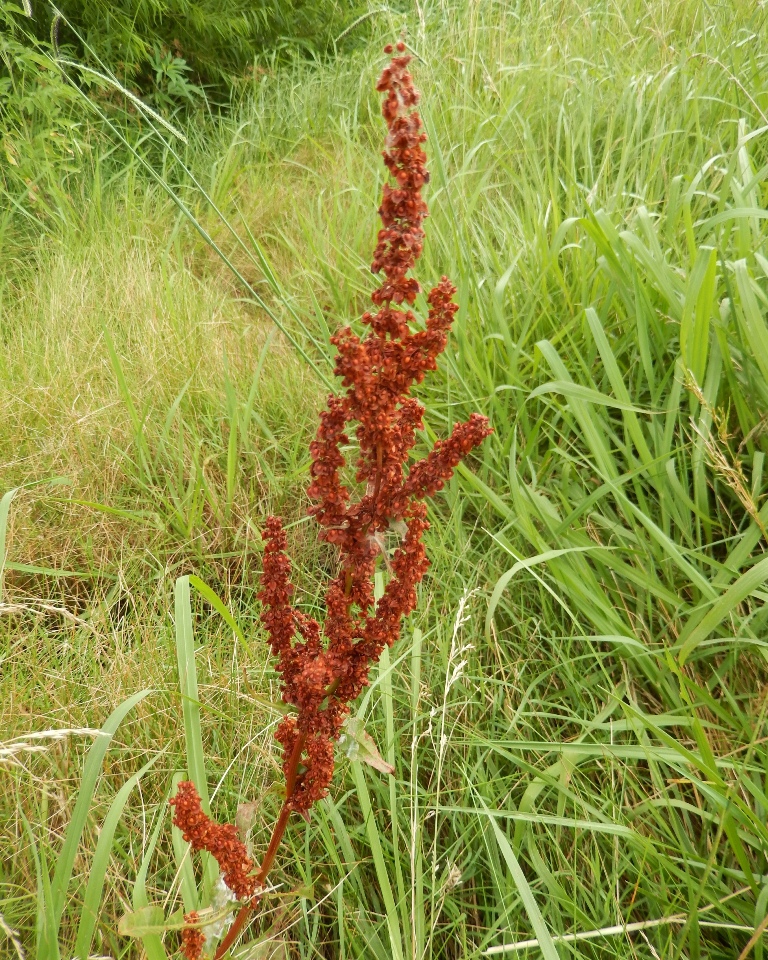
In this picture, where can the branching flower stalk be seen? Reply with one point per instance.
(323, 669)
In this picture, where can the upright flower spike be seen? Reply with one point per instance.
(324, 668)
(377, 373)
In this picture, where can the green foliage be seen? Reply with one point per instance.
(171, 80)
(41, 140)
(218, 43)
(67, 75)
(53, 882)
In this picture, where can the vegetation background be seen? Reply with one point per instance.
(577, 712)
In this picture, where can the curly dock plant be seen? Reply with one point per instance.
(325, 667)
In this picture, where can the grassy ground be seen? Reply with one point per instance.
(577, 711)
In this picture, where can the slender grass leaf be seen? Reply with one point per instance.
(91, 773)
(5, 506)
(699, 627)
(92, 907)
(543, 935)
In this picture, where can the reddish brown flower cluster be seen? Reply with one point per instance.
(320, 679)
(219, 839)
(323, 670)
(192, 938)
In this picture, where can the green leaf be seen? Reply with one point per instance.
(380, 863)
(152, 943)
(193, 734)
(91, 909)
(526, 564)
(546, 944)
(220, 607)
(190, 703)
(91, 773)
(359, 745)
(579, 392)
(5, 506)
(755, 329)
(146, 921)
(699, 627)
(150, 921)
(697, 312)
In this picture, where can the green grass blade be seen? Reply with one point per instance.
(699, 627)
(697, 312)
(152, 943)
(46, 930)
(755, 329)
(221, 608)
(546, 945)
(193, 734)
(379, 861)
(91, 773)
(5, 506)
(578, 391)
(91, 909)
(190, 702)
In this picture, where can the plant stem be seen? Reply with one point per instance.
(274, 845)
(234, 931)
(291, 776)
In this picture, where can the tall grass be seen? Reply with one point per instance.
(577, 714)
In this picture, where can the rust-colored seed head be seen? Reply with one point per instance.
(192, 938)
(376, 373)
(219, 839)
(324, 669)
